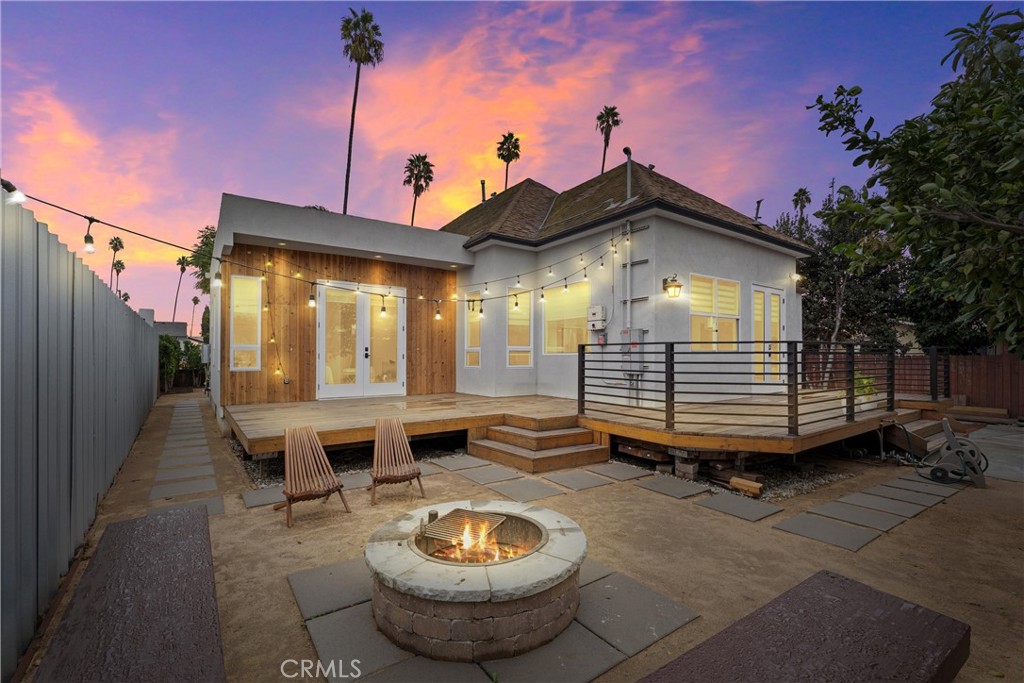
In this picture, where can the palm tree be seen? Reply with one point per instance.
(606, 121)
(419, 173)
(116, 245)
(192, 324)
(361, 36)
(801, 200)
(183, 264)
(508, 151)
(118, 267)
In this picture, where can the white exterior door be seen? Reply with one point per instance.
(769, 366)
(360, 340)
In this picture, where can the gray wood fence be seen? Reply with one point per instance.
(78, 376)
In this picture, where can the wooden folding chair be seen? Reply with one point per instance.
(307, 473)
(392, 458)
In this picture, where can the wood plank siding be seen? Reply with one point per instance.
(430, 343)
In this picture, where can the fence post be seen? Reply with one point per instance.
(850, 381)
(933, 372)
(793, 388)
(890, 377)
(581, 380)
(946, 393)
(670, 385)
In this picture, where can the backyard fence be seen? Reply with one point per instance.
(994, 381)
(78, 376)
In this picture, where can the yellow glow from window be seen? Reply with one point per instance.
(565, 318)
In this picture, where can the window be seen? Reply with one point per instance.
(714, 314)
(245, 322)
(473, 330)
(565, 318)
(520, 334)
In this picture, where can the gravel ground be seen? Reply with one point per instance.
(343, 461)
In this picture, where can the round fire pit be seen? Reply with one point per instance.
(488, 579)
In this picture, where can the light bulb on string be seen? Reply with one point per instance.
(312, 295)
(551, 273)
(437, 311)
(565, 285)
(585, 274)
(486, 290)
(518, 283)
(383, 307)
(515, 304)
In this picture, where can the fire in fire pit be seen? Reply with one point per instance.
(474, 537)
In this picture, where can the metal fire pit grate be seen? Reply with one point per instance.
(451, 525)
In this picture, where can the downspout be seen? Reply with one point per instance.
(628, 251)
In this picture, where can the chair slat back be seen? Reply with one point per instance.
(306, 468)
(392, 455)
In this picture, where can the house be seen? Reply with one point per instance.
(316, 305)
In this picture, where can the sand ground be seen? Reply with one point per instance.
(963, 558)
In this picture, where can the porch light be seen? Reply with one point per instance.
(90, 243)
(16, 196)
(796, 277)
(672, 286)
(312, 295)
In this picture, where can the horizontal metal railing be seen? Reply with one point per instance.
(780, 385)
(923, 372)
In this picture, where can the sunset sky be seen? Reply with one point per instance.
(142, 114)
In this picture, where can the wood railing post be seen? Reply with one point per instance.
(946, 393)
(933, 372)
(890, 377)
(850, 382)
(792, 388)
(670, 385)
(581, 381)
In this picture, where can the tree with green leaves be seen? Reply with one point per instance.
(362, 46)
(202, 256)
(607, 120)
(419, 173)
(192, 322)
(204, 325)
(116, 245)
(508, 151)
(182, 264)
(953, 180)
(118, 269)
(170, 359)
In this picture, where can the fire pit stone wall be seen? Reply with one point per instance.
(475, 612)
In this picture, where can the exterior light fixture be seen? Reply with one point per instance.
(383, 307)
(420, 294)
(602, 261)
(218, 281)
(273, 339)
(437, 311)
(551, 273)
(796, 277)
(15, 196)
(672, 286)
(486, 290)
(581, 258)
(481, 308)
(312, 295)
(518, 283)
(565, 285)
(90, 243)
(542, 295)
(515, 304)
(266, 307)
(585, 274)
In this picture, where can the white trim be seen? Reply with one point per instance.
(780, 377)
(466, 348)
(258, 346)
(509, 298)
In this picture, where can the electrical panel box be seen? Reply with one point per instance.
(597, 313)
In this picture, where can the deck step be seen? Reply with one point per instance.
(536, 440)
(540, 424)
(924, 428)
(979, 411)
(544, 460)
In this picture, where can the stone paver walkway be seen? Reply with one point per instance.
(185, 467)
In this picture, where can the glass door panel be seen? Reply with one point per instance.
(767, 328)
(385, 345)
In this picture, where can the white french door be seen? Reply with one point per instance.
(360, 340)
(769, 367)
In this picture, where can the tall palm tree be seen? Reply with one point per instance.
(607, 120)
(115, 245)
(801, 200)
(183, 264)
(363, 45)
(192, 324)
(419, 173)
(508, 151)
(118, 267)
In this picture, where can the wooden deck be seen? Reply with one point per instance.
(750, 428)
(260, 427)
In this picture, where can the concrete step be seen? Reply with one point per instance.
(540, 424)
(535, 440)
(544, 460)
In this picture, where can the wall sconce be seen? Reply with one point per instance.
(672, 286)
(796, 277)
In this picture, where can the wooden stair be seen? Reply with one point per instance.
(533, 444)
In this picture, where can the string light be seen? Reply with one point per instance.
(518, 283)
(627, 238)
(218, 281)
(421, 294)
(383, 308)
(90, 243)
(486, 290)
(437, 311)
(565, 285)
(481, 308)
(542, 295)
(273, 339)
(312, 295)
(15, 196)
(551, 273)
(615, 250)
(515, 305)
(581, 257)
(602, 261)
(585, 274)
